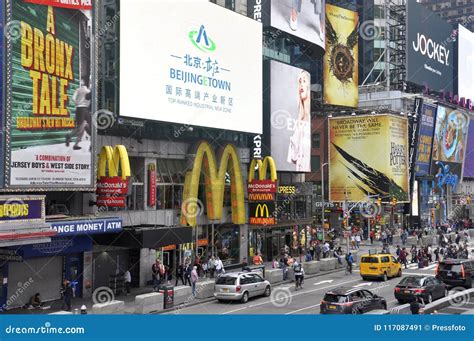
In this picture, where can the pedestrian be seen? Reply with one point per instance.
(403, 257)
(219, 267)
(179, 274)
(66, 292)
(245, 264)
(317, 250)
(311, 250)
(353, 242)
(326, 249)
(372, 236)
(168, 275)
(275, 264)
(257, 259)
(194, 279)
(415, 306)
(155, 273)
(211, 266)
(357, 240)
(128, 281)
(187, 274)
(349, 262)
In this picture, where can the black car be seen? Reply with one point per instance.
(351, 301)
(427, 288)
(456, 272)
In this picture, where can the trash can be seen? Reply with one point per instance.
(168, 295)
(255, 268)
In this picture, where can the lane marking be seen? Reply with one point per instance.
(362, 285)
(322, 282)
(292, 295)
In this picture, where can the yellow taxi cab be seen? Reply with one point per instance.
(379, 265)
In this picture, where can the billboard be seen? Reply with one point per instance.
(204, 69)
(449, 142)
(303, 19)
(430, 49)
(425, 140)
(368, 155)
(290, 107)
(465, 62)
(341, 65)
(469, 159)
(49, 120)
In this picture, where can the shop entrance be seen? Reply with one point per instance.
(73, 272)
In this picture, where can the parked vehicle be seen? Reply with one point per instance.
(241, 286)
(427, 288)
(351, 301)
(456, 272)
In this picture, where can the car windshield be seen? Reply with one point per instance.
(412, 281)
(331, 298)
(450, 267)
(224, 280)
(370, 260)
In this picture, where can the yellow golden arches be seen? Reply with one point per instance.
(113, 159)
(214, 182)
(268, 162)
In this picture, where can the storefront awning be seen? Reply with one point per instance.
(15, 234)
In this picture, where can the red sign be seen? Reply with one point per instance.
(72, 4)
(113, 185)
(151, 185)
(111, 201)
(262, 186)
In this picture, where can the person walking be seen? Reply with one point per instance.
(194, 279)
(349, 262)
(66, 292)
(357, 240)
(179, 274)
(219, 267)
(257, 259)
(211, 266)
(317, 250)
(403, 257)
(155, 273)
(128, 281)
(372, 236)
(187, 274)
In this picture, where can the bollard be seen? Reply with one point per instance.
(83, 310)
(75, 311)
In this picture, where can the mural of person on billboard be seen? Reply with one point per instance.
(290, 117)
(303, 18)
(297, 151)
(82, 99)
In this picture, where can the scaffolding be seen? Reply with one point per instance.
(395, 43)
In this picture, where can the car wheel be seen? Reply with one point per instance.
(430, 298)
(399, 274)
(245, 297)
(385, 278)
(268, 291)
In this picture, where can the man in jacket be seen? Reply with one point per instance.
(155, 273)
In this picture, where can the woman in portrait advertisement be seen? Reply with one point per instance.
(300, 142)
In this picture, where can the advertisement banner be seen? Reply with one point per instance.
(290, 107)
(368, 156)
(262, 213)
(341, 62)
(469, 160)
(152, 184)
(22, 208)
(430, 49)
(449, 142)
(425, 140)
(49, 124)
(73, 4)
(465, 62)
(196, 73)
(302, 19)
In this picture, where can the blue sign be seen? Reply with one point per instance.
(58, 246)
(425, 140)
(92, 226)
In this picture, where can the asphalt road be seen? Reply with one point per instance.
(285, 300)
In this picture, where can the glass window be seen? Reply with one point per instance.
(316, 137)
(331, 298)
(315, 163)
(369, 260)
(227, 239)
(225, 280)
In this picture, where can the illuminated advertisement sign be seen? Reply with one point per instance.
(262, 213)
(469, 159)
(368, 156)
(341, 62)
(197, 73)
(425, 140)
(49, 120)
(465, 62)
(22, 208)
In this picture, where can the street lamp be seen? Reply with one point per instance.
(322, 195)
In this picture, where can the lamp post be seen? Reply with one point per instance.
(322, 198)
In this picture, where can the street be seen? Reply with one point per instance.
(284, 299)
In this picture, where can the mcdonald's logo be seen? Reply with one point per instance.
(262, 213)
(262, 167)
(113, 173)
(205, 162)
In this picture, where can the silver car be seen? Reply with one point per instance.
(241, 286)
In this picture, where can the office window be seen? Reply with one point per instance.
(315, 163)
(316, 140)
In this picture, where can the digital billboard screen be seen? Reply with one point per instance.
(204, 69)
(425, 140)
(368, 156)
(290, 117)
(430, 49)
(449, 142)
(469, 159)
(50, 127)
(465, 63)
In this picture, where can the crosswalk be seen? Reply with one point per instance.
(412, 266)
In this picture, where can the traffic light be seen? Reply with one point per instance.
(394, 201)
(379, 201)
